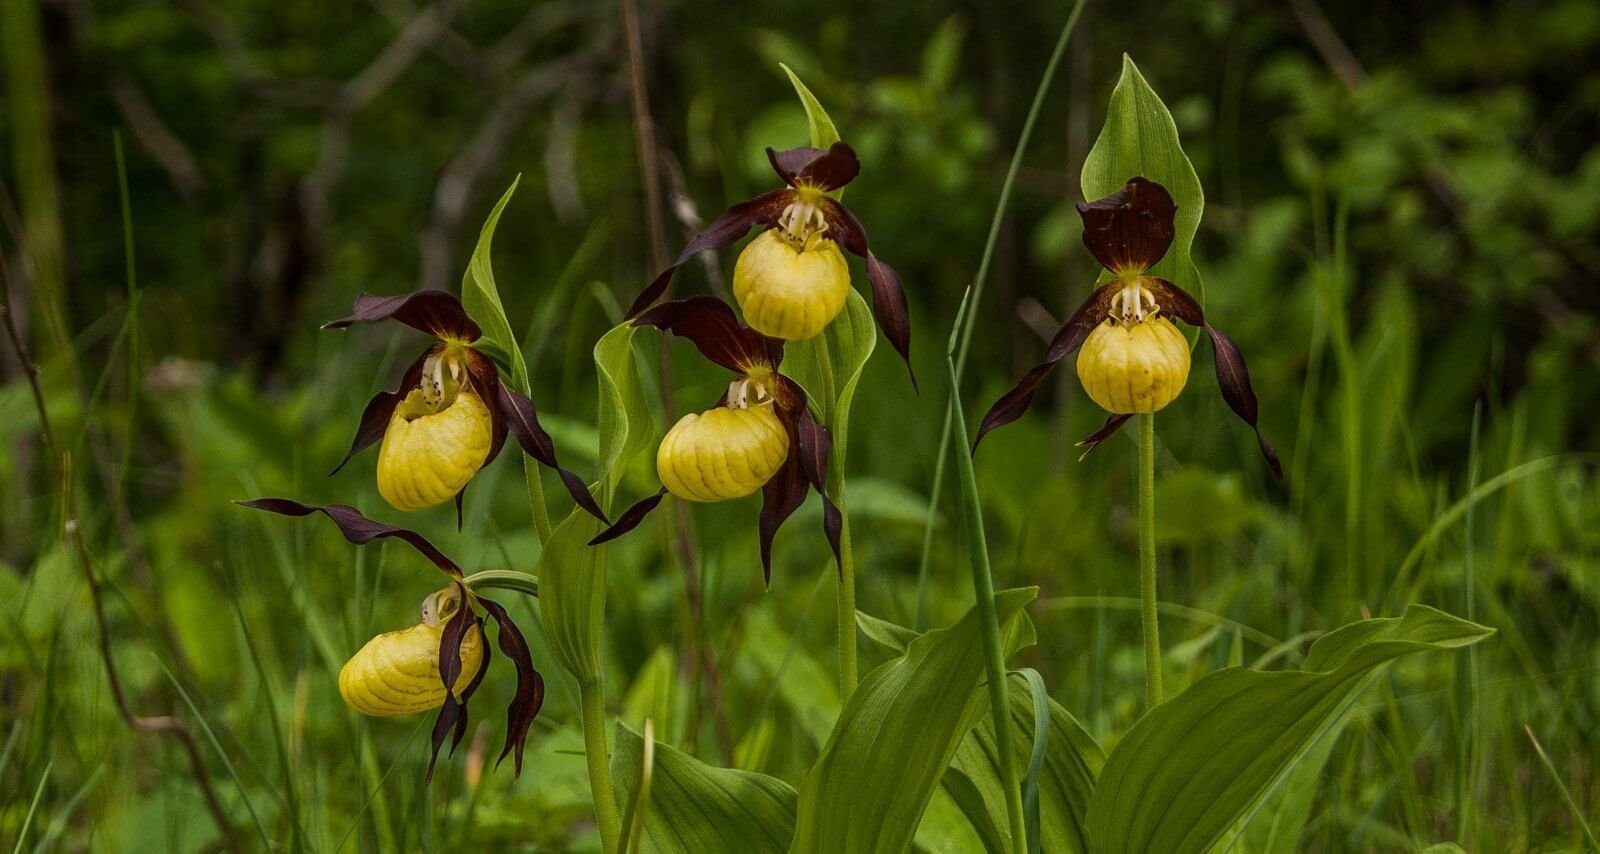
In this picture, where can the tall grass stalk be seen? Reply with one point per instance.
(964, 329)
(983, 594)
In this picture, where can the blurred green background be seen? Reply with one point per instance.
(1403, 201)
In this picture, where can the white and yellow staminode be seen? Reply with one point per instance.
(437, 439)
(397, 673)
(792, 280)
(727, 452)
(1135, 361)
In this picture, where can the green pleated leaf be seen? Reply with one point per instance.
(1276, 825)
(897, 734)
(1140, 138)
(572, 573)
(695, 808)
(1197, 765)
(1072, 761)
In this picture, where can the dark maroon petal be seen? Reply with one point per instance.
(380, 409)
(1234, 379)
(1015, 402)
(435, 312)
(484, 379)
(630, 518)
(709, 324)
(529, 698)
(1131, 229)
(523, 422)
(472, 688)
(734, 223)
(826, 170)
(889, 304)
(780, 497)
(449, 671)
(1106, 431)
(1175, 301)
(356, 528)
(814, 443)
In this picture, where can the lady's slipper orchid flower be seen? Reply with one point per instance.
(791, 281)
(450, 416)
(759, 435)
(1134, 359)
(438, 663)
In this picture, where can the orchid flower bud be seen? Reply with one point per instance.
(791, 288)
(722, 453)
(1134, 366)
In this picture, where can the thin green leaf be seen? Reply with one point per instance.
(695, 808)
(1195, 765)
(823, 133)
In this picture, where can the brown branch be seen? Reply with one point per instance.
(30, 369)
(1328, 44)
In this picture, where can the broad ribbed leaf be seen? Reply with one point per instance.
(572, 574)
(897, 734)
(1140, 139)
(1072, 761)
(697, 808)
(1196, 765)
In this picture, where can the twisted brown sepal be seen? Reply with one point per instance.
(1130, 230)
(710, 324)
(723, 231)
(1106, 431)
(380, 410)
(1234, 380)
(805, 467)
(357, 528)
(525, 704)
(1070, 337)
(522, 419)
(438, 313)
(472, 688)
(630, 518)
(889, 306)
(453, 713)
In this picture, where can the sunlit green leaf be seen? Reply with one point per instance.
(897, 734)
(1072, 760)
(697, 808)
(1197, 764)
(1140, 138)
(823, 133)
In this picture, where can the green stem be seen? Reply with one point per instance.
(592, 699)
(1147, 561)
(965, 330)
(983, 593)
(845, 599)
(504, 579)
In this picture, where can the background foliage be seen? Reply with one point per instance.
(1402, 208)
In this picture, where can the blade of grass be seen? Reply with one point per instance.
(983, 596)
(920, 616)
(211, 736)
(633, 822)
(404, 751)
(1041, 744)
(1566, 794)
(38, 794)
